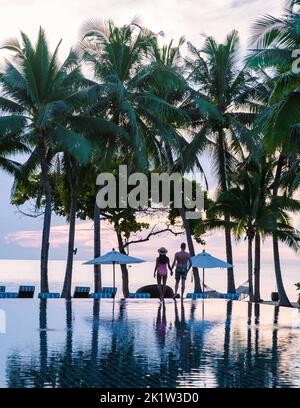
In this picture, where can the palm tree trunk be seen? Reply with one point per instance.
(97, 249)
(230, 274)
(47, 217)
(197, 284)
(66, 292)
(224, 187)
(257, 269)
(283, 299)
(124, 269)
(250, 268)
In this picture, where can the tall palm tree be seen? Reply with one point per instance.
(38, 101)
(166, 76)
(254, 213)
(129, 89)
(223, 98)
(274, 40)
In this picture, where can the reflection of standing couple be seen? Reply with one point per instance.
(183, 263)
(182, 329)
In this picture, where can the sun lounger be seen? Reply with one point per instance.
(9, 295)
(112, 291)
(81, 292)
(197, 296)
(2, 289)
(101, 295)
(49, 295)
(139, 295)
(230, 296)
(26, 291)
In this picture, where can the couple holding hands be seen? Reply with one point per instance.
(183, 263)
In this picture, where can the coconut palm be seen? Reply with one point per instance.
(255, 214)
(39, 101)
(35, 89)
(132, 95)
(274, 40)
(165, 76)
(223, 99)
(10, 146)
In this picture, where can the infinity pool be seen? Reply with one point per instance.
(139, 343)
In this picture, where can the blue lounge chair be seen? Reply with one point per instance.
(81, 292)
(26, 291)
(48, 295)
(112, 291)
(197, 296)
(139, 295)
(2, 289)
(9, 295)
(101, 295)
(230, 296)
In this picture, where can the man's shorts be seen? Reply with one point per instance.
(181, 273)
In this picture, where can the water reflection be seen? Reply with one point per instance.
(173, 344)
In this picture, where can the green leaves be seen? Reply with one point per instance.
(12, 124)
(66, 140)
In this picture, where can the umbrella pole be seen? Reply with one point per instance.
(114, 274)
(203, 280)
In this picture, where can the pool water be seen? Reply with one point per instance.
(140, 343)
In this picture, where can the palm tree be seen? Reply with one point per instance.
(166, 76)
(130, 93)
(72, 172)
(275, 39)
(254, 213)
(40, 99)
(223, 98)
(9, 146)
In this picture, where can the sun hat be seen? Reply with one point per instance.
(162, 251)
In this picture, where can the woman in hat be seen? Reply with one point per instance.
(161, 270)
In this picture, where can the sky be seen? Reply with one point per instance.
(20, 236)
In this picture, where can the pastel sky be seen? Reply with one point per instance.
(19, 235)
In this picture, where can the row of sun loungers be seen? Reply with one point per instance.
(24, 292)
(107, 293)
(228, 296)
(79, 292)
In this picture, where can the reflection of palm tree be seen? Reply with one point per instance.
(43, 342)
(121, 362)
(95, 338)
(225, 363)
(257, 317)
(249, 336)
(246, 366)
(275, 356)
(227, 335)
(66, 372)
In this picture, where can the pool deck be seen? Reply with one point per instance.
(271, 303)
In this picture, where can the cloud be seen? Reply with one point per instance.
(215, 244)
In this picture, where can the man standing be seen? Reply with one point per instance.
(183, 263)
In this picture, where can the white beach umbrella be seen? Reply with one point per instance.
(206, 261)
(112, 258)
